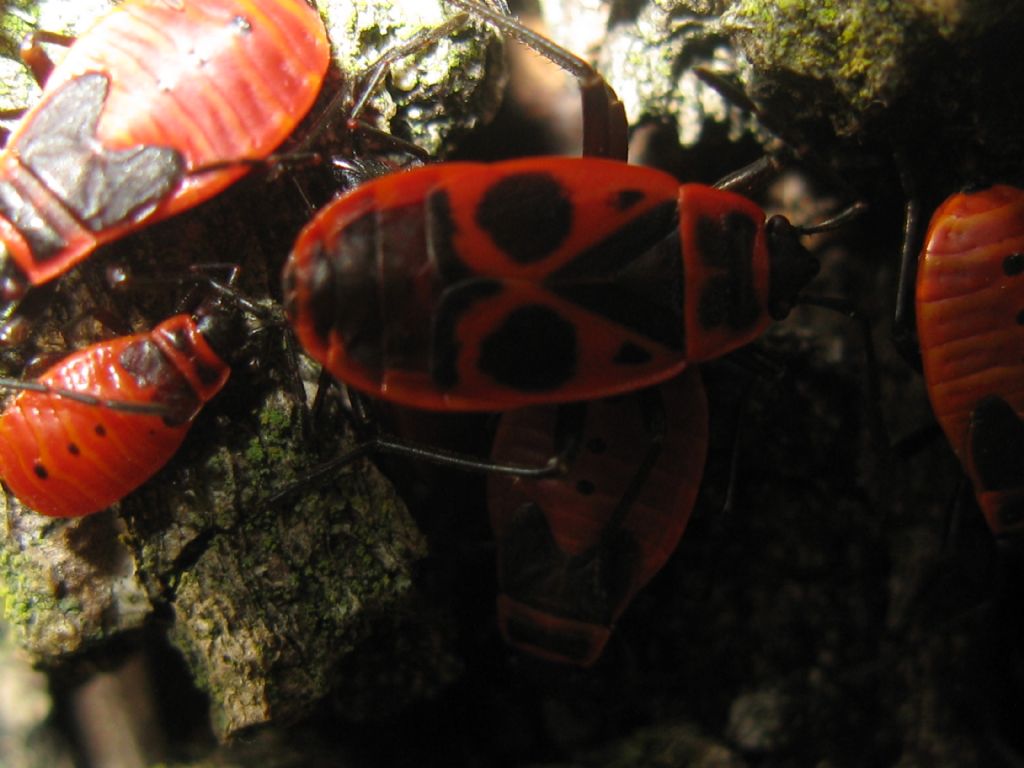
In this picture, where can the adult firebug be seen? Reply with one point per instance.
(465, 286)
(574, 550)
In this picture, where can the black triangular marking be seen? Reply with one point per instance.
(70, 114)
(633, 277)
(584, 587)
(101, 187)
(528, 550)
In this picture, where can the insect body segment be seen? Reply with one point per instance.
(572, 551)
(67, 458)
(970, 324)
(156, 108)
(488, 287)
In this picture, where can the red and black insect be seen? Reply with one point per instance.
(489, 287)
(102, 421)
(156, 108)
(970, 326)
(574, 550)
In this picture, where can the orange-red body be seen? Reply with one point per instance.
(488, 287)
(567, 568)
(970, 324)
(146, 116)
(66, 458)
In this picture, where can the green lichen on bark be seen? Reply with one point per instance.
(432, 95)
(66, 584)
(644, 62)
(15, 23)
(17, 87)
(18, 19)
(267, 599)
(67, 17)
(858, 48)
(855, 59)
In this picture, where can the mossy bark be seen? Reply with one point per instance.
(264, 602)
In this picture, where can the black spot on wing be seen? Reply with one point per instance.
(1013, 264)
(100, 186)
(634, 277)
(625, 199)
(534, 350)
(729, 299)
(40, 471)
(527, 215)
